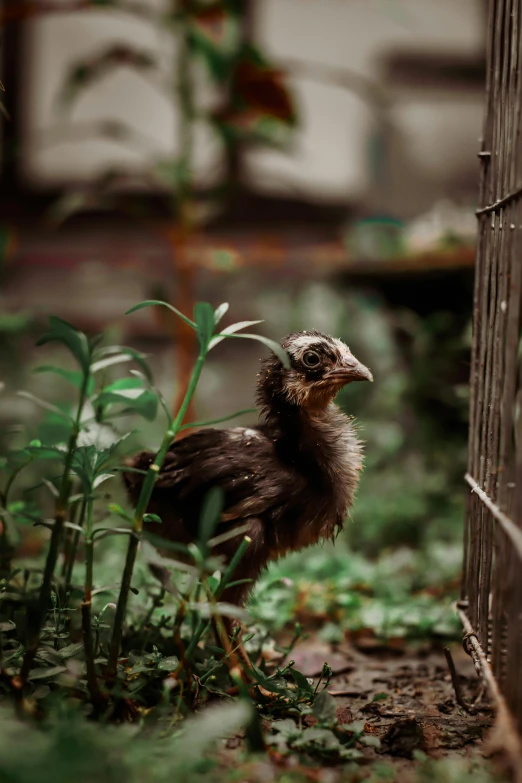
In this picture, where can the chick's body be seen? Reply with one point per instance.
(291, 480)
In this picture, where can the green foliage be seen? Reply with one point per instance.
(62, 332)
(389, 597)
(72, 748)
(87, 632)
(63, 649)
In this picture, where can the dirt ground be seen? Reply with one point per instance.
(405, 697)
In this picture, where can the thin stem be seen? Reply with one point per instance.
(69, 538)
(208, 674)
(137, 524)
(37, 614)
(231, 567)
(6, 551)
(178, 421)
(230, 656)
(11, 480)
(92, 682)
(203, 625)
(71, 555)
(201, 629)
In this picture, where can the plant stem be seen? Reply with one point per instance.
(217, 620)
(225, 579)
(6, 551)
(71, 557)
(69, 539)
(92, 682)
(137, 524)
(121, 608)
(38, 614)
(231, 567)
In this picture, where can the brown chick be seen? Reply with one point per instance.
(291, 480)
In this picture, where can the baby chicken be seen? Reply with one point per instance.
(291, 480)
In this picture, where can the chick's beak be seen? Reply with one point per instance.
(349, 370)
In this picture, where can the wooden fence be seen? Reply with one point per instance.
(491, 606)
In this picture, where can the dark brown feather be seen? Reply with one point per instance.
(291, 480)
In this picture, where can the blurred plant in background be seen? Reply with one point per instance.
(216, 78)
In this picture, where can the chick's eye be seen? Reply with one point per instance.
(311, 359)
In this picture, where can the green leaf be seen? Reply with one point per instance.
(45, 405)
(280, 352)
(130, 392)
(325, 707)
(63, 332)
(109, 361)
(53, 429)
(46, 452)
(45, 673)
(218, 421)
(115, 508)
(168, 664)
(152, 518)
(72, 376)
(204, 317)
(301, 681)
(52, 489)
(272, 684)
(220, 312)
(210, 513)
(380, 696)
(222, 538)
(101, 479)
(230, 330)
(127, 387)
(70, 650)
(152, 302)
(121, 351)
(163, 543)
(103, 532)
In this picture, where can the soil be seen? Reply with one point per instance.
(406, 698)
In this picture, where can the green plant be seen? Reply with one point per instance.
(61, 642)
(82, 467)
(77, 639)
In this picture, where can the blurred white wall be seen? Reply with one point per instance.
(328, 160)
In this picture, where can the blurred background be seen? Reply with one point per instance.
(311, 163)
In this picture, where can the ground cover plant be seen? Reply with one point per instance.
(89, 640)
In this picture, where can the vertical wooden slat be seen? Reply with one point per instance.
(492, 581)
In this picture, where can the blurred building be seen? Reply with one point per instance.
(389, 100)
(407, 74)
